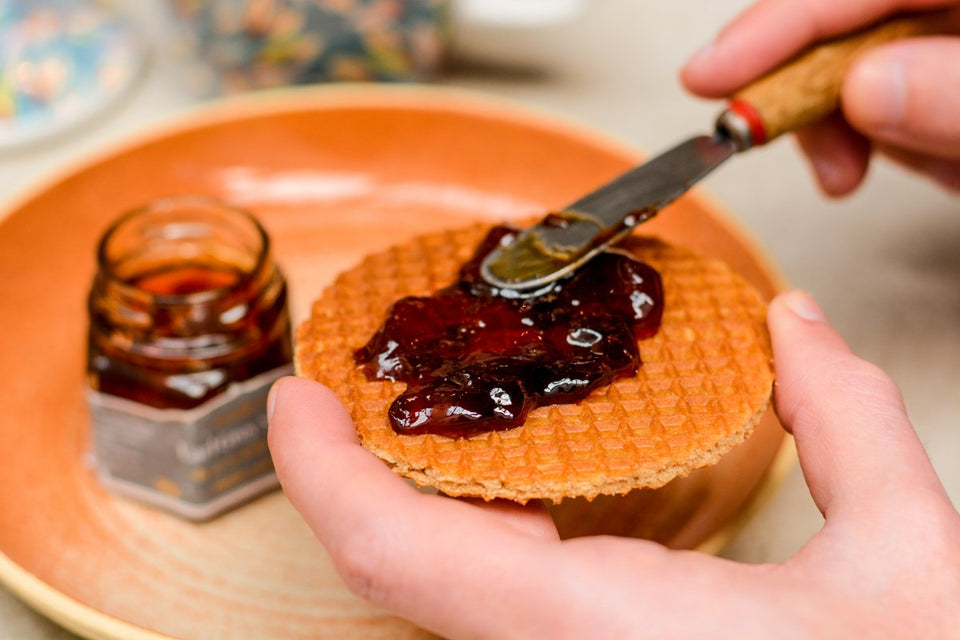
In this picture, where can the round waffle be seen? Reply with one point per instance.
(705, 381)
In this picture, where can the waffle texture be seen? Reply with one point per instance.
(704, 384)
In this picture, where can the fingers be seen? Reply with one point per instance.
(906, 94)
(434, 560)
(900, 96)
(857, 448)
(944, 172)
(838, 155)
(771, 31)
(316, 453)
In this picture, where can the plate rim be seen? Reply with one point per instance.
(90, 622)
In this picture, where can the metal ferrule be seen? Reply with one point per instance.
(736, 128)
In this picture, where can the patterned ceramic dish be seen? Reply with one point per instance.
(61, 63)
(252, 44)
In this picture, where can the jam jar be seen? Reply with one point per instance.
(188, 328)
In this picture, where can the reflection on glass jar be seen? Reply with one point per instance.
(188, 328)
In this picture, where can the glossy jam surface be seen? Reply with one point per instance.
(476, 360)
(181, 280)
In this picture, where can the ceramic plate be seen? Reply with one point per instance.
(333, 174)
(62, 63)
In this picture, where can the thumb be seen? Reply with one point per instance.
(429, 558)
(315, 452)
(905, 94)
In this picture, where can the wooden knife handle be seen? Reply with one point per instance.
(807, 88)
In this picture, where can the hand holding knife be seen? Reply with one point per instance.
(798, 93)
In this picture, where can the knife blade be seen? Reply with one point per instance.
(564, 240)
(798, 93)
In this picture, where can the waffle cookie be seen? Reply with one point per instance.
(705, 382)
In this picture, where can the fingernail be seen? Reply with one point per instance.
(804, 306)
(879, 87)
(272, 398)
(702, 54)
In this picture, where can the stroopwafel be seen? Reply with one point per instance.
(705, 382)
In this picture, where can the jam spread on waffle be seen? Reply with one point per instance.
(477, 359)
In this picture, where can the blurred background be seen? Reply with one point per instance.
(76, 77)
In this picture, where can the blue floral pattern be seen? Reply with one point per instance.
(59, 61)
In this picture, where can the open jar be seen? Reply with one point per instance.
(189, 327)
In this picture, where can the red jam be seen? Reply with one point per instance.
(182, 280)
(477, 359)
(187, 301)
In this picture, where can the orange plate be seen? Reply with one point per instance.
(333, 174)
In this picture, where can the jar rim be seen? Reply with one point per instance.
(105, 266)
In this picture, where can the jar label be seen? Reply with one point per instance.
(197, 462)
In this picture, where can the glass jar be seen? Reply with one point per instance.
(189, 327)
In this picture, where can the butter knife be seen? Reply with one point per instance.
(798, 93)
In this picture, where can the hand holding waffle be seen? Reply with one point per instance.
(900, 99)
(886, 562)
